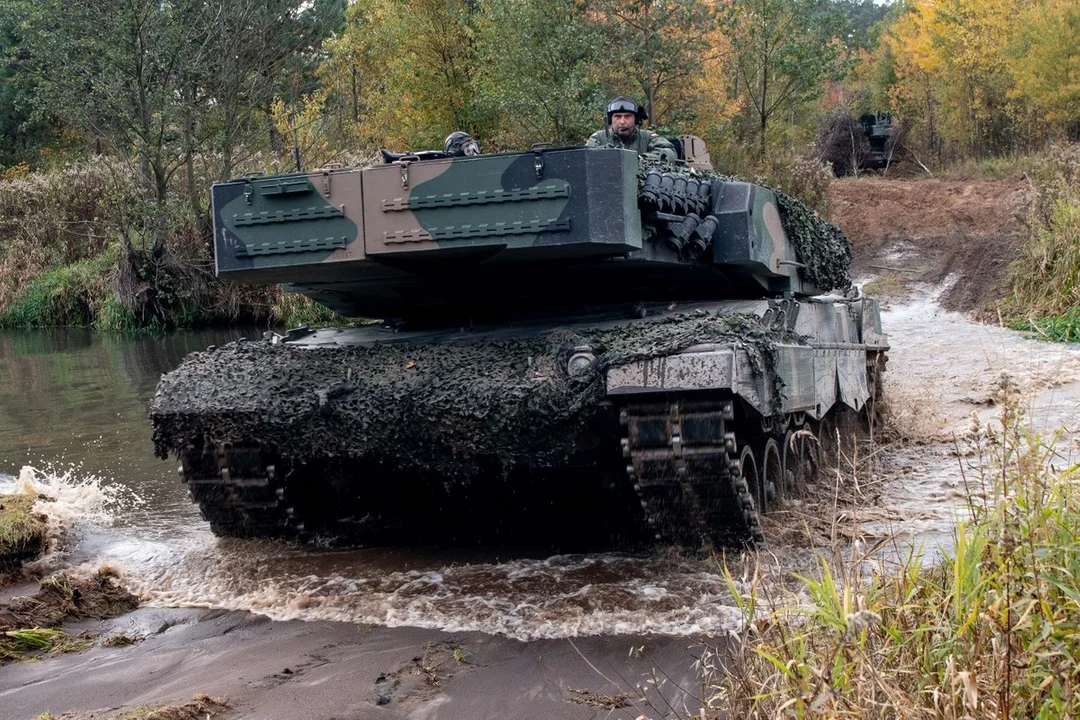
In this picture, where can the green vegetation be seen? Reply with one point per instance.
(991, 629)
(1045, 280)
(65, 296)
(104, 185)
(22, 531)
(31, 643)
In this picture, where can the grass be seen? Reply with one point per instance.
(1059, 328)
(888, 284)
(992, 629)
(22, 531)
(1003, 167)
(1044, 282)
(66, 296)
(32, 626)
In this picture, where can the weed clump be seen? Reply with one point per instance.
(31, 625)
(23, 533)
(200, 707)
(990, 630)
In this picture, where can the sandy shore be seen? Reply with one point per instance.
(308, 670)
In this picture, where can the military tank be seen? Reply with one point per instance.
(563, 338)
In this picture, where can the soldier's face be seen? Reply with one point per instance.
(622, 123)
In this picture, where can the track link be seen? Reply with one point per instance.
(681, 462)
(238, 493)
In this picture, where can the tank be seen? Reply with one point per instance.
(575, 342)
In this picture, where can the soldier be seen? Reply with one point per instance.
(461, 144)
(623, 119)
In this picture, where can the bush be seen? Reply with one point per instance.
(81, 250)
(1045, 281)
(803, 177)
(67, 296)
(992, 630)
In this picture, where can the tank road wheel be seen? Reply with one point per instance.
(801, 459)
(772, 475)
(748, 468)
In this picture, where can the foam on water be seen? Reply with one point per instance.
(560, 596)
(524, 598)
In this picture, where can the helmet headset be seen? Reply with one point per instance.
(623, 104)
(461, 144)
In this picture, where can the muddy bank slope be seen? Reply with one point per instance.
(905, 231)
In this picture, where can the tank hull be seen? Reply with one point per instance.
(685, 425)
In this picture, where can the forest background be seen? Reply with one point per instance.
(116, 116)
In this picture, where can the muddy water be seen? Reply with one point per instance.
(73, 426)
(943, 373)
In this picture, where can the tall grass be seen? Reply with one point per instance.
(991, 629)
(1045, 280)
(78, 249)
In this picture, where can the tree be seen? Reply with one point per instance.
(116, 71)
(862, 16)
(1043, 57)
(540, 59)
(660, 47)
(784, 52)
(951, 71)
(22, 130)
(164, 80)
(409, 70)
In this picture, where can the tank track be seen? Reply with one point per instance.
(239, 494)
(682, 462)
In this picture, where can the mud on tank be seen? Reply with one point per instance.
(575, 342)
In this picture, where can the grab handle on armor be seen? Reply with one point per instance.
(403, 163)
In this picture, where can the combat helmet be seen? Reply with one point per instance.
(625, 104)
(461, 144)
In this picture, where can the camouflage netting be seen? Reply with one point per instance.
(445, 409)
(822, 246)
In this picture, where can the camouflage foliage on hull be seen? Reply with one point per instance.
(420, 407)
(823, 247)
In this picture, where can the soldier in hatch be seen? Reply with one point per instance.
(461, 144)
(623, 119)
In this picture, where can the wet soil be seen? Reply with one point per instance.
(906, 232)
(303, 670)
(23, 534)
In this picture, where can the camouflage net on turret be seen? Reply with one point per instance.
(420, 406)
(822, 246)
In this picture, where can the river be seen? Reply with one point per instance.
(73, 425)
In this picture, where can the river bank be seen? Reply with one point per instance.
(304, 670)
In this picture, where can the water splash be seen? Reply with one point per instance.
(75, 504)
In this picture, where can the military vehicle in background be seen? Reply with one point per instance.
(565, 339)
(878, 128)
(873, 142)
